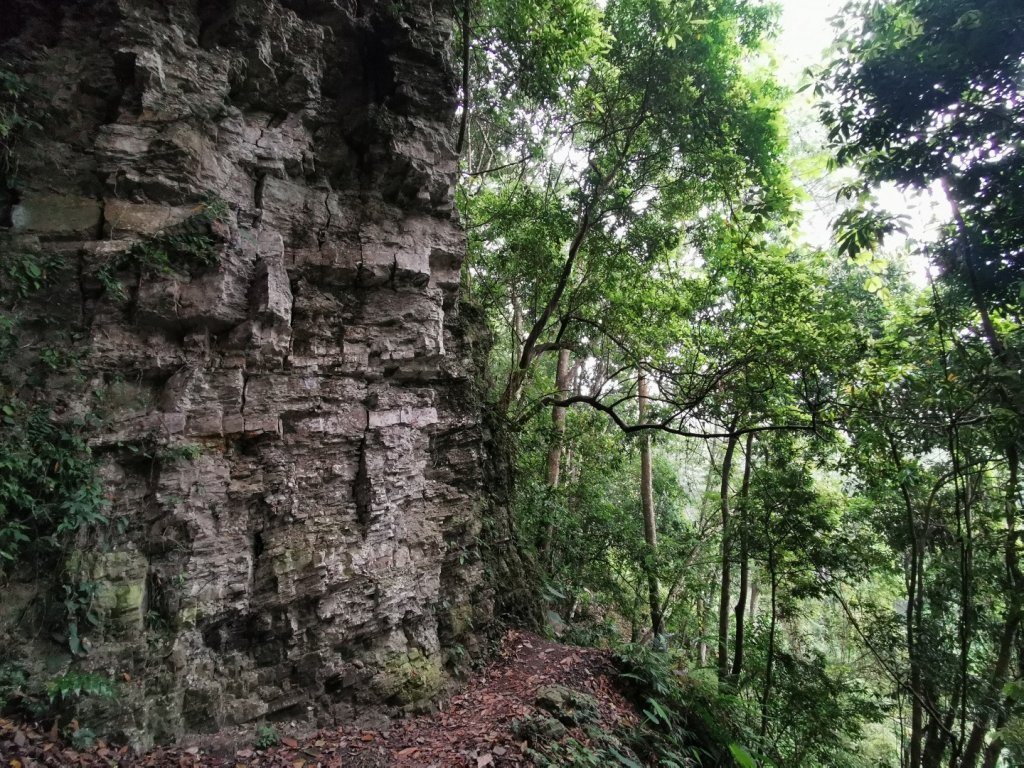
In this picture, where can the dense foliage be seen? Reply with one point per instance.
(793, 474)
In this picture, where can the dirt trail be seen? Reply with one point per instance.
(474, 729)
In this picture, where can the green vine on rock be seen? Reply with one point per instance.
(50, 487)
(13, 121)
(186, 248)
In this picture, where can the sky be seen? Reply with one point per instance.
(804, 38)
(805, 33)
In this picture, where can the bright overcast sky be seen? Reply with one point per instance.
(805, 35)
(806, 32)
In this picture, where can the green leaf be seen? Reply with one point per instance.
(874, 284)
(742, 756)
(74, 642)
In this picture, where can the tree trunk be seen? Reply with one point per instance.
(914, 604)
(724, 594)
(558, 419)
(938, 735)
(995, 746)
(555, 449)
(741, 601)
(702, 626)
(770, 662)
(460, 144)
(650, 523)
(1007, 642)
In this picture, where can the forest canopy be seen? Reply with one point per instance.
(792, 471)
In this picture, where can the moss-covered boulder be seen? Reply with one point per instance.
(119, 583)
(568, 706)
(410, 678)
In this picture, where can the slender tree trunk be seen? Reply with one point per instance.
(555, 449)
(724, 596)
(770, 663)
(466, 42)
(516, 342)
(917, 711)
(650, 522)
(961, 506)
(995, 746)
(1000, 672)
(913, 571)
(968, 259)
(634, 621)
(702, 626)
(938, 735)
(558, 419)
(1007, 641)
(589, 213)
(741, 601)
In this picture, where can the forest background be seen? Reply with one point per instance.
(791, 471)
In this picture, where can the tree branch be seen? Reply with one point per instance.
(665, 426)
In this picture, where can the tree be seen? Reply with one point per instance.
(591, 170)
(929, 91)
(925, 93)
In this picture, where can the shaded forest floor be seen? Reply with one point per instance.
(533, 692)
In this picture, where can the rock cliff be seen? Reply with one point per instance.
(247, 211)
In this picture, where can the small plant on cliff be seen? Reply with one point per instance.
(75, 684)
(67, 691)
(26, 272)
(179, 452)
(267, 737)
(79, 609)
(48, 483)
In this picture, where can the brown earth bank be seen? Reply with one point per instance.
(533, 691)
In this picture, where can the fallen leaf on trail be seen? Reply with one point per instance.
(470, 731)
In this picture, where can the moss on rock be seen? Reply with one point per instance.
(410, 678)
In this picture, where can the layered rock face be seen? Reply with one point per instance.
(286, 428)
